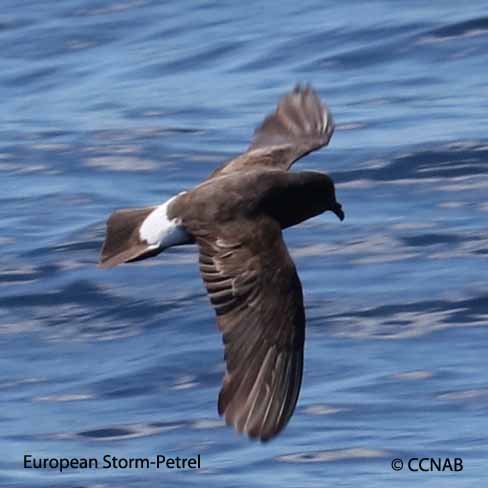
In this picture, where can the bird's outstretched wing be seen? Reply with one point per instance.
(253, 285)
(301, 124)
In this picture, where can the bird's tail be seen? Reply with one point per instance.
(123, 243)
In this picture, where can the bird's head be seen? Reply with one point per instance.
(321, 193)
(299, 196)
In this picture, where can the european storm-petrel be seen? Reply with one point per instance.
(236, 217)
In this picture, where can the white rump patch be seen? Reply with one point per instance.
(161, 232)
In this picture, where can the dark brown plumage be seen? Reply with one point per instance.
(300, 125)
(124, 244)
(236, 218)
(255, 290)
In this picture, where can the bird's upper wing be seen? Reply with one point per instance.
(301, 124)
(255, 290)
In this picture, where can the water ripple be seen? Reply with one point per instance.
(124, 103)
(339, 455)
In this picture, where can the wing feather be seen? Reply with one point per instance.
(300, 124)
(257, 295)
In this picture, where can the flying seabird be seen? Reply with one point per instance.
(236, 217)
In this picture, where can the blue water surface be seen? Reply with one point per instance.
(123, 103)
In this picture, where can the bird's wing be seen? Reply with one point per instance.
(253, 285)
(301, 124)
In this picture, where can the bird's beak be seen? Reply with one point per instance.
(337, 209)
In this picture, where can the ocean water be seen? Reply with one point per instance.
(123, 103)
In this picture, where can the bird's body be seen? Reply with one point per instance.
(236, 218)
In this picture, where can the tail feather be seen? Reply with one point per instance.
(122, 243)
